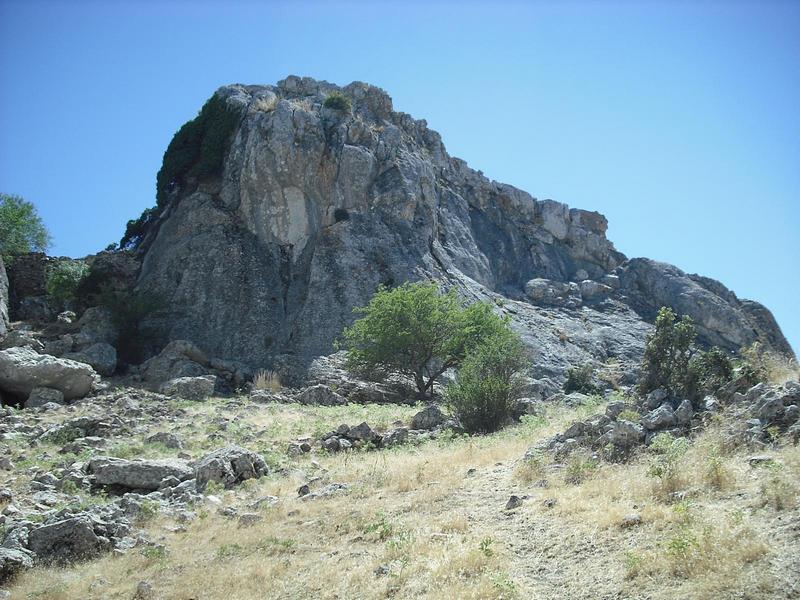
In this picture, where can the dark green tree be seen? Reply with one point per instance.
(667, 354)
(417, 331)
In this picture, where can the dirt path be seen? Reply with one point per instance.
(550, 558)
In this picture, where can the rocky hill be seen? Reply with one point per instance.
(169, 468)
(315, 206)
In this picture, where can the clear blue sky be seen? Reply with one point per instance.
(680, 121)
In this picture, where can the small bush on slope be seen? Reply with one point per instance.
(486, 388)
(579, 379)
(338, 101)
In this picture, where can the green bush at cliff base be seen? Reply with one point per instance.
(487, 385)
(64, 279)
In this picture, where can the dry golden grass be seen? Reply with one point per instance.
(267, 380)
(427, 521)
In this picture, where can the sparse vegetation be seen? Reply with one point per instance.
(338, 101)
(267, 380)
(665, 465)
(580, 379)
(758, 364)
(417, 516)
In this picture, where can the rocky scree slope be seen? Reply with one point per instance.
(317, 206)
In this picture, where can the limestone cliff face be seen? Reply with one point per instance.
(316, 207)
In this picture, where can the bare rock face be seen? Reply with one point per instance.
(22, 370)
(316, 207)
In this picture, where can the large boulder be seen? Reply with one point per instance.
(102, 357)
(228, 466)
(624, 434)
(179, 358)
(189, 388)
(66, 540)
(429, 417)
(660, 418)
(22, 370)
(137, 474)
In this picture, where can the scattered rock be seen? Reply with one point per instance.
(41, 395)
(429, 417)
(229, 465)
(321, 395)
(179, 358)
(189, 388)
(758, 461)
(513, 502)
(66, 540)
(170, 440)
(12, 562)
(631, 520)
(660, 418)
(144, 591)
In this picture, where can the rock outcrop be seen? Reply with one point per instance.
(316, 207)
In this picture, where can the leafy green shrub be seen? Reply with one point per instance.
(667, 354)
(666, 463)
(338, 101)
(417, 331)
(579, 379)
(708, 371)
(21, 228)
(198, 148)
(486, 388)
(64, 279)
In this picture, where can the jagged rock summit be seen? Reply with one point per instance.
(316, 205)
